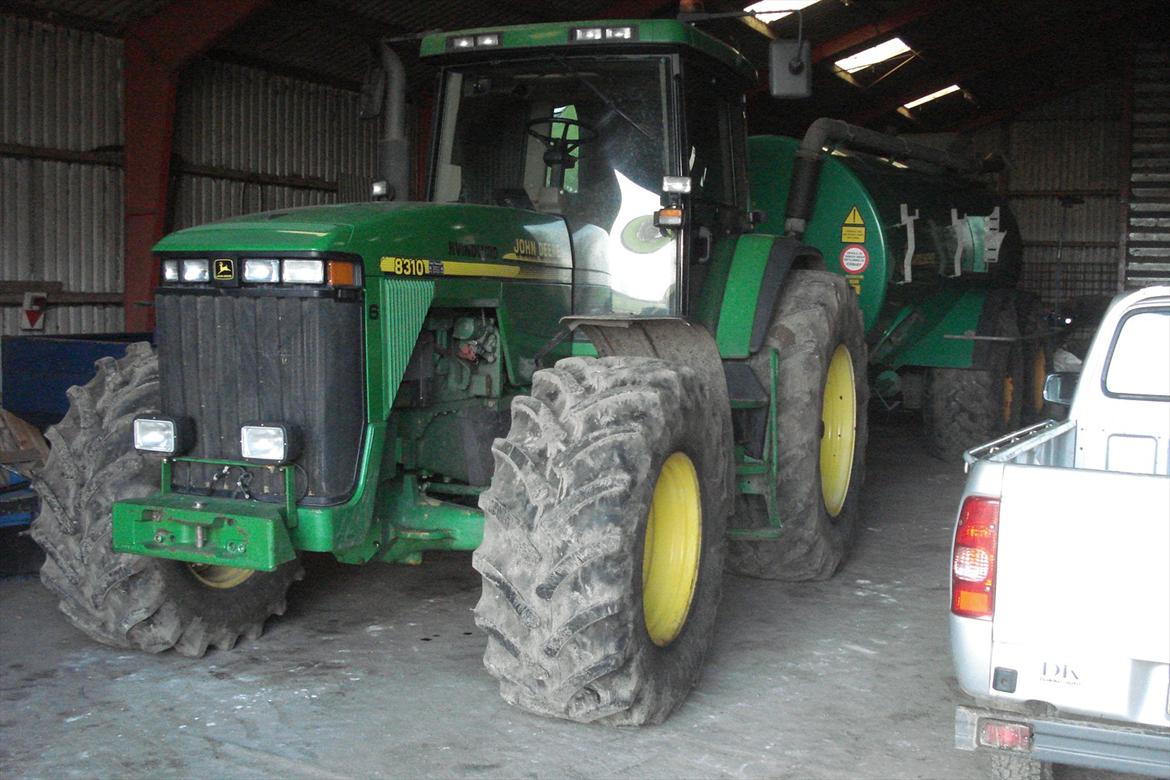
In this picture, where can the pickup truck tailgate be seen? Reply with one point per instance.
(1083, 591)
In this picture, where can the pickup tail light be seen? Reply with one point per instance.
(1005, 735)
(973, 561)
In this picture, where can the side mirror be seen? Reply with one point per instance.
(373, 91)
(1060, 387)
(790, 69)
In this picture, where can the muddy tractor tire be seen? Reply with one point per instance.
(966, 407)
(603, 549)
(132, 601)
(822, 397)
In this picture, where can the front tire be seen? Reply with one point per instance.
(604, 541)
(821, 399)
(132, 601)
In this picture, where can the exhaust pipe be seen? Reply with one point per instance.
(393, 148)
(806, 168)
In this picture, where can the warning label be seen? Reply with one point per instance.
(853, 229)
(854, 259)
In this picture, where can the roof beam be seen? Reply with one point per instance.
(632, 9)
(1020, 57)
(860, 36)
(154, 52)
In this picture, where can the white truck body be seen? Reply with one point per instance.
(1077, 642)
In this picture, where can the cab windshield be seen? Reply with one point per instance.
(579, 137)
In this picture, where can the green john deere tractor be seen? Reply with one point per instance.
(581, 357)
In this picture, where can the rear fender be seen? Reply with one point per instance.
(759, 266)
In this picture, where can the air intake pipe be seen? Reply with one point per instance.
(393, 148)
(806, 167)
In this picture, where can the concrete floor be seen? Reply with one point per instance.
(376, 671)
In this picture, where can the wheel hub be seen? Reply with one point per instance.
(221, 577)
(670, 563)
(839, 430)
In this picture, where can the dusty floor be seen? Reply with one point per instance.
(376, 671)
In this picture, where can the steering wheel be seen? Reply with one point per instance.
(563, 145)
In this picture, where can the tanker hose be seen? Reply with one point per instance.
(825, 131)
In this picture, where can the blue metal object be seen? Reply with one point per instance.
(18, 503)
(37, 370)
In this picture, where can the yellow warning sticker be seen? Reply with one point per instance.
(853, 230)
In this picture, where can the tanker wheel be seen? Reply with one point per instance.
(966, 407)
(122, 600)
(821, 398)
(604, 541)
(1038, 363)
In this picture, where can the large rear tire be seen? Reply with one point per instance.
(822, 397)
(132, 601)
(966, 407)
(603, 548)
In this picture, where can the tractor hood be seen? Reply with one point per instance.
(381, 232)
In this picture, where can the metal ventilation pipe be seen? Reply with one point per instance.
(393, 148)
(806, 168)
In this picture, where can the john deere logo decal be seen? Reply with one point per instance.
(225, 270)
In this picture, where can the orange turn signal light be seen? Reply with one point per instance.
(341, 274)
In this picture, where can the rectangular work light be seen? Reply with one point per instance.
(170, 270)
(163, 435)
(274, 444)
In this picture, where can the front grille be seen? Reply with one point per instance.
(229, 359)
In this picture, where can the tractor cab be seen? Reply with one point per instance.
(638, 146)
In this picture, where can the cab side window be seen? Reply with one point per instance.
(713, 156)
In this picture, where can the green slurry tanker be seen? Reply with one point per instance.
(584, 356)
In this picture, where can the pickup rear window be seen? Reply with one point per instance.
(1139, 361)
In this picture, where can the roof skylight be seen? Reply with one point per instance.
(873, 55)
(768, 11)
(932, 96)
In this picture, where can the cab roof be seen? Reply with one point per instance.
(643, 33)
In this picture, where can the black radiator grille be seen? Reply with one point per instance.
(229, 360)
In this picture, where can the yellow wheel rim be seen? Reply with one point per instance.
(674, 535)
(1009, 398)
(222, 577)
(839, 421)
(1039, 374)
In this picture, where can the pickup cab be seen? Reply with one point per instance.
(1060, 567)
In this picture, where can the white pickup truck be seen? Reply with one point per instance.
(1060, 567)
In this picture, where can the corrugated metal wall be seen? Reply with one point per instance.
(60, 221)
(256, 140)
(246, 121)
(1070, 149)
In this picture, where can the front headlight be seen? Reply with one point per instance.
(195, 271)
(303, 272)
(163, 435)
(275, 444)
(170, 270)
(261, 270)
